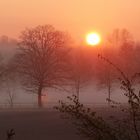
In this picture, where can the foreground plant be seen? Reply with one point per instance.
(133, 98)
(95, 127)
(10, 134)
(87, 122)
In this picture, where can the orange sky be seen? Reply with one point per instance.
(75, 16)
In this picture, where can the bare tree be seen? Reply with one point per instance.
(105, 75)
(105, 80)
(10, 90)
(2, 70)
(10, 82)
(133, 97)
(41, 58)
(80, 73)
(119, 38)
(123, 43)
(119, 49)
(92, 126)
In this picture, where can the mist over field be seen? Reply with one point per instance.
(8, 48)
(69, 70)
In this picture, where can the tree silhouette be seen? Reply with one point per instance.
(80, 71)
(41, 58)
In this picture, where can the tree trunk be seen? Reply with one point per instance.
(40, 105)
(78, 90)
(77, 93)
(109, 94)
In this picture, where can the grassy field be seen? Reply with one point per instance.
(35, 124)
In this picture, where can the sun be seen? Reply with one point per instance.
(93, 39)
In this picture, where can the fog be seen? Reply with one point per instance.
(90, 94)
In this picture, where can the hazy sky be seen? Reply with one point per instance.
(75, 16)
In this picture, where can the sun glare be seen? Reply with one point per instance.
(93, 39)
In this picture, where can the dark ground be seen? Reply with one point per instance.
(34, 124)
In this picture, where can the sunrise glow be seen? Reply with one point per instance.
(93, 39)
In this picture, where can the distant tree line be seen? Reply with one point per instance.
(123, 124)
(45, 58)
